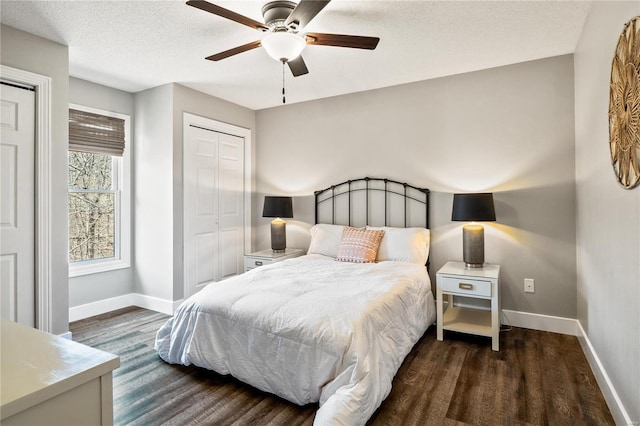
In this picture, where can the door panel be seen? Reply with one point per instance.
(230, 264)
(205, 255)
(9, 182)
(17, 176)
(205, 188)
(8, 298)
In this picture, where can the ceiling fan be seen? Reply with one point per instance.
(283, 19)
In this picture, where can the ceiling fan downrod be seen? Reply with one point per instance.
(284, 100)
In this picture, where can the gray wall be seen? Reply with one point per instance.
(95, 287)
(509, 130)
(153, 192)
(608, 220)
(28, 52)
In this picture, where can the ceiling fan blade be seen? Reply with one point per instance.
(305, 11)
(298, 67)
(234, 51)
(342, 40)
(226, 13)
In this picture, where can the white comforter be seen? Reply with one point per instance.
(307, 329)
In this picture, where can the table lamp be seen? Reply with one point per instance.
(278, 208)
(472, 208)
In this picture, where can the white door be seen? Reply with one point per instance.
(231, 196)
(213, 207)
(17, 229)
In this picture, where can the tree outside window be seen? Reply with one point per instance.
(92, 206)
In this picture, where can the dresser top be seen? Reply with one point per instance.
(36, 366)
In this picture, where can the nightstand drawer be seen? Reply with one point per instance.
(462, 285)
(267, 257)
(252, 262)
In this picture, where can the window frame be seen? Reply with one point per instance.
(122, 209)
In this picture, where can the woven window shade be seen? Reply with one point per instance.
(100, 134)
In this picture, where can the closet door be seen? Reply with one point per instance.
(213, 207)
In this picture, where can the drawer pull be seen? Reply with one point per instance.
(465, 286)
(258, 263)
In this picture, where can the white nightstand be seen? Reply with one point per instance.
(453, 280)
(265, 257)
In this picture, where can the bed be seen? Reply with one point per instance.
(318, 328)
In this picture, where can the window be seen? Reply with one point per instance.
(99, 183)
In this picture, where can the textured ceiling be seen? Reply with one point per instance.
(136, 45)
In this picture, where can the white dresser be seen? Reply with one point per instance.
(49, 380)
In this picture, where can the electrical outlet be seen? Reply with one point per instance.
(529, 285)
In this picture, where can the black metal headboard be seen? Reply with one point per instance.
(373, 202)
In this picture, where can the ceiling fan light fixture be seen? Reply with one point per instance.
(283, 46)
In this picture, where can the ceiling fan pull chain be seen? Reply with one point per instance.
(284, 100)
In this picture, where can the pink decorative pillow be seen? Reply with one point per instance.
(359, 245)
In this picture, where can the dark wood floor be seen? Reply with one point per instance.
(537, 378)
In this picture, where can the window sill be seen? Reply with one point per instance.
(87, 268)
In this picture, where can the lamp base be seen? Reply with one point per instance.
(473, 246)
(278, 235)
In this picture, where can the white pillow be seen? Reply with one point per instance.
(404, 244)
(325, 239)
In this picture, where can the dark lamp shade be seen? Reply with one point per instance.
(277, 207)
(476, 207)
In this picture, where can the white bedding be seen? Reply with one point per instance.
(307, 329)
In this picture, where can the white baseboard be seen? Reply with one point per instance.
(155, 303)
(540, 322)
(620, 415)
(100, 307)
(132, 299)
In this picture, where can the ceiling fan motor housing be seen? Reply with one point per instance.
(276, 12)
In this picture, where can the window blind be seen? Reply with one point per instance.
(96, 133)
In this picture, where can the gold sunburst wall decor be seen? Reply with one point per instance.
(624, 106)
